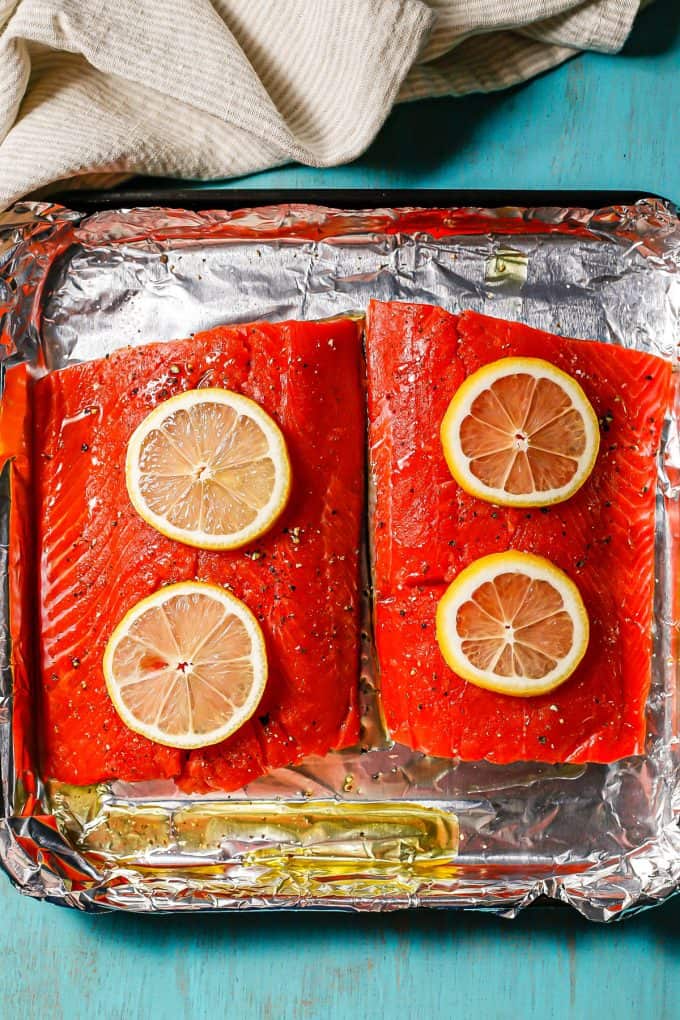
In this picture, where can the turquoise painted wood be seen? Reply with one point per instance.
(597, 122)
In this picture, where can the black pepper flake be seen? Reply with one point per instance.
(580, 563)
(606, 420)
(649, 378)
(494, 514)
(452, 542)
(545, 509)
(423, 626)
(606, 540)
(528, 516)
(85, 447)
(607, 503)
(402, 612)
(264, 719)
(543, 740)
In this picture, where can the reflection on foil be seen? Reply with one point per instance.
(381, 826)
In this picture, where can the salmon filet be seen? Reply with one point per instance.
(98, 557)
(426, 529)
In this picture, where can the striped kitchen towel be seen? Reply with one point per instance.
(221, 88)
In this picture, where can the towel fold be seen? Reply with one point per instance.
(218, 89)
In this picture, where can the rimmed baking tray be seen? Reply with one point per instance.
(328, 834)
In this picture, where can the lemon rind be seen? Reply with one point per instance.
(196, 538)
(469, 579)
(258, 655)
(459, 406)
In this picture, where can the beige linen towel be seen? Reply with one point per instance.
(194, 88)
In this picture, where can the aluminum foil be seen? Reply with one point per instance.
(379, 827)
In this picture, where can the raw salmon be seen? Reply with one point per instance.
(16, 429)
(425, 529)
(301, 580)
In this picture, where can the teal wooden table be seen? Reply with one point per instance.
(598, 122)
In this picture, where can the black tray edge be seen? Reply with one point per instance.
(197, 198)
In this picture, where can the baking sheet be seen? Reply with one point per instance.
(382, 826)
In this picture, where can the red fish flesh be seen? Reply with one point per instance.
(98, 557)
(426, 529)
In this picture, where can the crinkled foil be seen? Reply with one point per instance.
(381, 827)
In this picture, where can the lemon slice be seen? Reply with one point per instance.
(520, 432)
(187, 665)
(208, 468)
(513, 623)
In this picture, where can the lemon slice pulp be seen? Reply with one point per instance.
(208, 468)
(513, 623)
(186, 666)
(520, 432)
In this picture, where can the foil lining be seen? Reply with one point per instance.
(380, 827)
